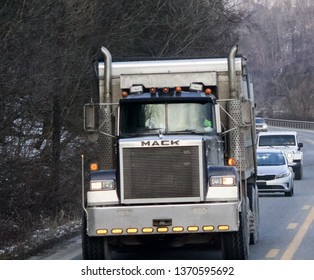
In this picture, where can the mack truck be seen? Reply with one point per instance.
(176, 157)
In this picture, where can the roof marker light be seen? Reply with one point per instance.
(178, 89)
(208, 91)
(165, 90)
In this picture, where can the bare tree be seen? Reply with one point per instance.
(46, 75)
(280, 46)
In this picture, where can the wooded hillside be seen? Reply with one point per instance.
(278, 40)
(46, 75)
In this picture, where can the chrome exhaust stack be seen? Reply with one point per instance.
(105, 85)
(232, 72)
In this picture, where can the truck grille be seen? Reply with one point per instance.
(160, 173)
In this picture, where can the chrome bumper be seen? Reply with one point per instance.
(162, 219)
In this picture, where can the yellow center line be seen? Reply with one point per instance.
(292, 226)
(272, 253)
(294, 245)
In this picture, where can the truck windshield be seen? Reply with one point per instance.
(166, 118)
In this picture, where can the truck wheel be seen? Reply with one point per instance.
(94, 248)
(254, 217)
(235, 245)
(299, 173)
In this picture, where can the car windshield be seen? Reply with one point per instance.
(276, 140)
(139, 118)
(270, 159)
(259, 121)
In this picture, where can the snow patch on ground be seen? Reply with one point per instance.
(40, 240)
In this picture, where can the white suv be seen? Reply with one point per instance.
(288, 142)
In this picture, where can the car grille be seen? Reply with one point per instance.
(160, 173)
(266, 177)
(272, 187)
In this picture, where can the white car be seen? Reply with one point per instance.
(273, 172)
(288, 142)
(260, 125)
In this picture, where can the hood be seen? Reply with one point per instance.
(271, 170)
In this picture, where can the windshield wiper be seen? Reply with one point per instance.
(144, 131)
(193, 131)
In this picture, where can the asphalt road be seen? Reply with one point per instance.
(286, 229)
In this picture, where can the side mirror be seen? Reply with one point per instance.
(300, 145)
(89, 117)
(246, 112)
(218, 120)
(90, 122)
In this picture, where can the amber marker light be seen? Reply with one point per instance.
(208, 91)
(223, 227)
(178, 89)
(162, 229)
(147, 230)
(165, 90)
(193, 228)
(116, 231)
(152, 90)
(177, 229)
(132, 230)
(231, 162)
(124, 94)
(93, 166)
(208, 228)
(101, 231)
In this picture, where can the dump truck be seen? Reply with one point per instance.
(176, 164)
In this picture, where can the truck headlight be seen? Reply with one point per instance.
(223, 181)
(102, 185)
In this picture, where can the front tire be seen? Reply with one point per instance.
(94, 248)
(235, 245)
(298, 173)
(291, 192)
(254, 215)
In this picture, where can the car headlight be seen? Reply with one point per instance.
(283, 174)
(289, 156)
(102, 185)
(222, 181)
